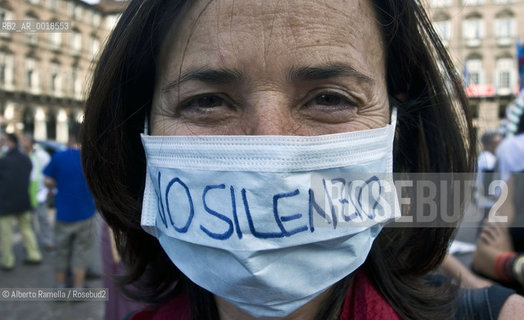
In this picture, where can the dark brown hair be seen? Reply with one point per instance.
(433, 131)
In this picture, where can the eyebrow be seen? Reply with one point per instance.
(312, 73)
(212, 76)
(309, 73)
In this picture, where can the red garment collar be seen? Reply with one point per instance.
(364, 302)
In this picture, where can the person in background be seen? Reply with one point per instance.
(500, 246)
(38, 192)
(15, 205)
(118, 306)
(75, 210)
(486, 169)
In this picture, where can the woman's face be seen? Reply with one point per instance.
(250, 67)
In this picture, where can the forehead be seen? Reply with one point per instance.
(264, 36)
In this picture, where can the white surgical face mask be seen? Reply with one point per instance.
(269, 222)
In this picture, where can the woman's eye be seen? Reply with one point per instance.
(206, 109)
(331, 100)
(328, 100)
(204, 102)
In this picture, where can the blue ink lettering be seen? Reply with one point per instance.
(313, 205)
(190, 200)
(370, 180)
(380, 188)
(286, 233)
(219, 236)
(356, 213)
(342, 199)
(260, 235)
(290, 218)
(235, 217)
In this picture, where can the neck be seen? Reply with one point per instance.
(227, 311)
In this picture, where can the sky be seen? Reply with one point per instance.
(91, 1)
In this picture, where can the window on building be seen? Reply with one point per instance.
(55, 83)
(504, 76)
(440, 3)
(55, 39)
(96, 19)
(74, 76)
(505, 28)
(29, 78)
(76, 42)
(78, 12)
(53, 4)
(31, 75)
(33, 1)
(91, 16)
(473, 30)
(7, 67)
(5, 15)
(474, 71)
(32, 37)
(76, 83)
(71, 8)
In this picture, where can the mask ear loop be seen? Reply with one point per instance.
(393, 104)
(146, 125)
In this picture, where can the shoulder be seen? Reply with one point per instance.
(513, 308)
(505, 145)
(58, 156)
(509, 144)
(19, 156)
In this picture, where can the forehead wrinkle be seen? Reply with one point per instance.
(302, 22)
(296, 34)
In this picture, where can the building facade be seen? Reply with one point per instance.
(481, 37)
(44, 76)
